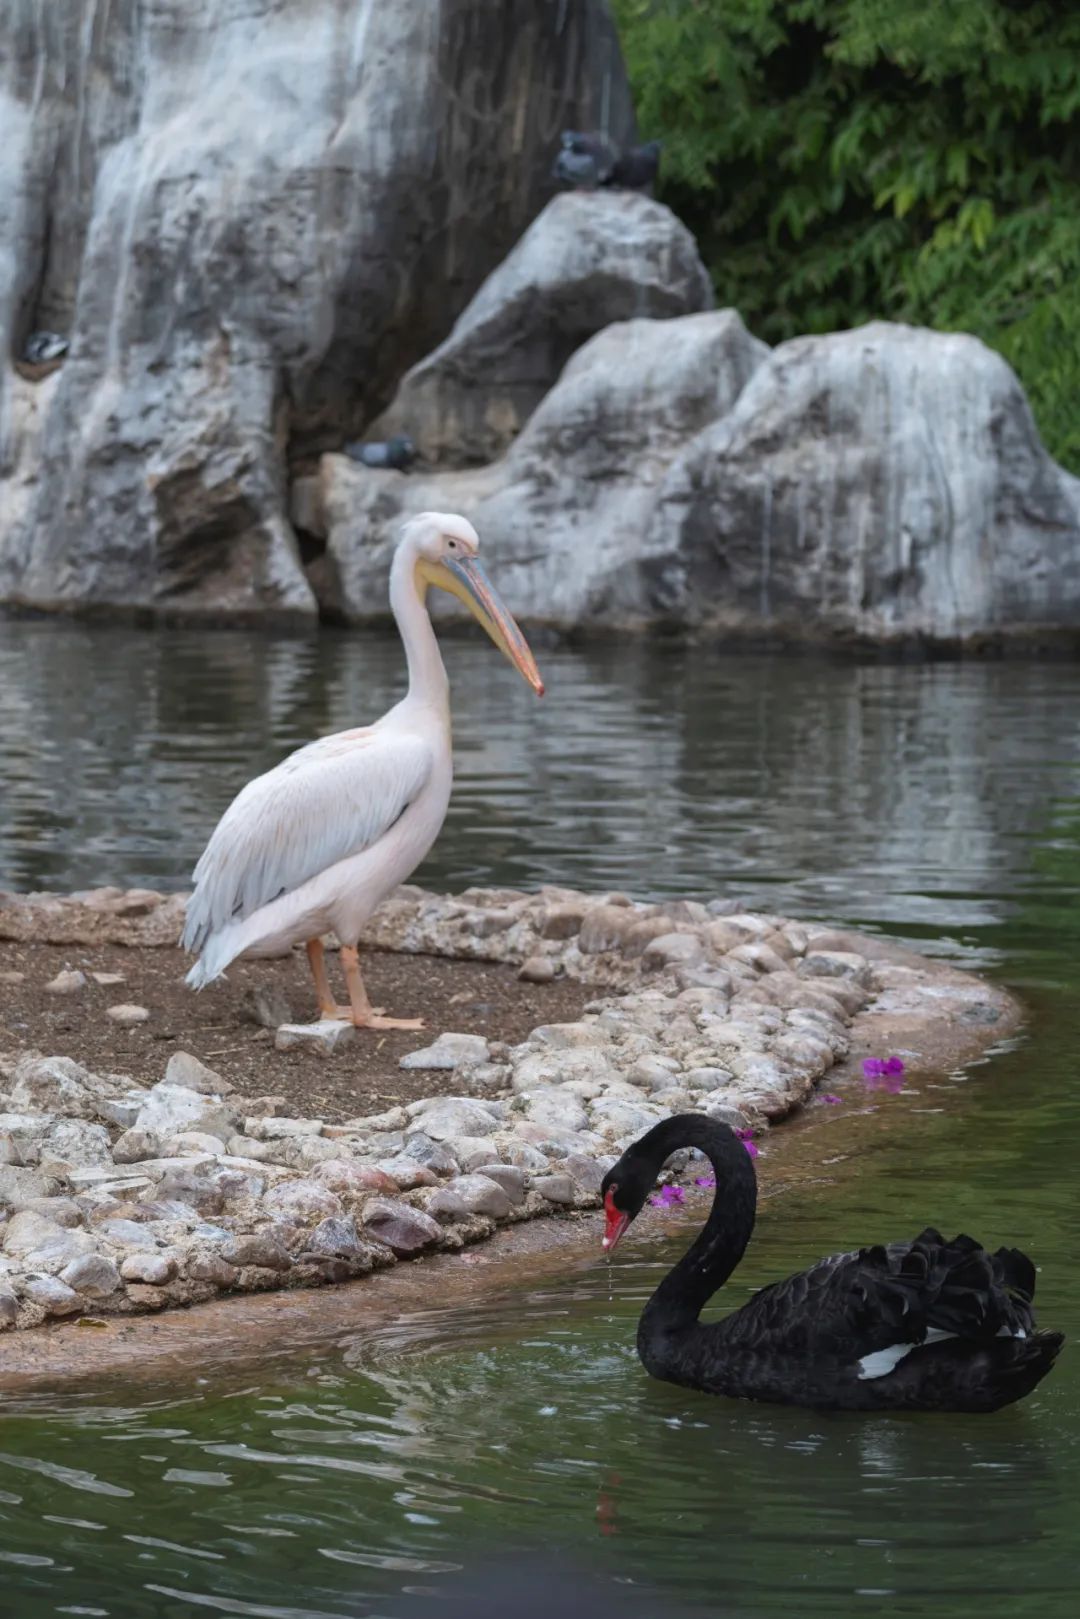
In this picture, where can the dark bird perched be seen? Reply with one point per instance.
(637, 169)
(41, 347)
(591, 160)
(586, 160)
(396, 454)
(926, 1325)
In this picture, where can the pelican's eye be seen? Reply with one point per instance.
(451, 545)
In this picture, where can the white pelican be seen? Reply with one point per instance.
(316, 843)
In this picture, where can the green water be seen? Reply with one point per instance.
(514, 1447)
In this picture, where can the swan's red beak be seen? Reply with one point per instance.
(615, 1221)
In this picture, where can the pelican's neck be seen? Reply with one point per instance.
(427, 673)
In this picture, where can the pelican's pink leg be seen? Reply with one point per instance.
(328, 1007)
(362, 1013)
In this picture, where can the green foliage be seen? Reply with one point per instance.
(843, 160)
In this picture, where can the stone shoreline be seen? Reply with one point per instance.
(122, 1194)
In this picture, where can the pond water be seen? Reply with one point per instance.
(510, 1457)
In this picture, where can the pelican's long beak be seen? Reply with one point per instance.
(464, 577)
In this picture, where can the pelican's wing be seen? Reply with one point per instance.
(323, 803)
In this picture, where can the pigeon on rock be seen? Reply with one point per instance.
(41, 347)
(395, 455)
(590, 160)
(637, 169)
(586, 161)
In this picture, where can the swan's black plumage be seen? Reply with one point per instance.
(857, 1331)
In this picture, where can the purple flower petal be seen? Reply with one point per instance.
(877, 1067)
(833, 1101)
(705, 1180)
(747, 1138)
(751, 1148)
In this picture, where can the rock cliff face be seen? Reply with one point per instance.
(249, 217)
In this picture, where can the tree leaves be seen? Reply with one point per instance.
(842, 160)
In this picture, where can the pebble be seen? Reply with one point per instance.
(121, 1110)
(135, 1145)
(92, 1275)
(510, 1177)
(12, 977)
(275, 1129)
(673, 950)
(9, 1308)
(170, 1109)
(603, 927)
(470, 1152)
(403, 1229)
(54, 1296)
(446, 1206)
(210, 1267)
(554, 1110)
(449, 1051)
(74, 1143)
(434, 1155)
(349, 1179)
(836, 964)
(562, 921)
(53, 1085)
(335, 1237)
(556, 1188)
(406, 1173)
(444, 1117)
(326, 1038)
(154, 1270)
(301, 1202)
(109, 980)
(63, 1211)
(66, 983)
(185, 1070)
(127, 1014)
(537, 970)
(267, 1006)
(262, 1249)
(481, 1195)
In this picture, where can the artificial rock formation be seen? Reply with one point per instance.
(249, 217)
(886, 483)
(566, 512)
(592, 258)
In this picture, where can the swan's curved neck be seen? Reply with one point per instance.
(678, 1301)
(427, 673)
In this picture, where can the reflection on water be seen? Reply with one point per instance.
(881, 791)
(465, 1460)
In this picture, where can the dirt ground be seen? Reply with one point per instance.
(217, 1024)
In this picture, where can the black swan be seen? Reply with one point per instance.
(926, 1325)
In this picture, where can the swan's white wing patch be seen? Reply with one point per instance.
(884, 1361)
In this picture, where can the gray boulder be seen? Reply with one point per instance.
(587, 261)
(245, 233)
(887, 483)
